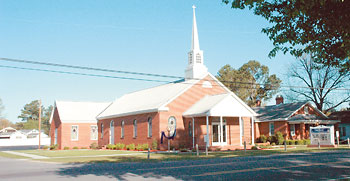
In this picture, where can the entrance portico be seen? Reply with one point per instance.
(227, 121)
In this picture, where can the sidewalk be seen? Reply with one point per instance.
(26, 155)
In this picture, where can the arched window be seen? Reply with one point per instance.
(101, 130)
(122, 129)
(149, 127)
(190, 129)
(135, 128)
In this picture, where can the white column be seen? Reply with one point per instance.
(193, 132)
(252, 131)
(221, 131)
(207, 130)
(240, 130)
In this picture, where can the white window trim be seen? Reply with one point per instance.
(102, 130)
(122, 123)
(135, 128)
(292, 133)
(77, 133)
(92, 138)
(149, 133)
(271, 123)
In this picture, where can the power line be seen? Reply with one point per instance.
(140, 73)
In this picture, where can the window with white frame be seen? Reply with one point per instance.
(101, 130)
(75, 132)
(94, 132)
(272, 128)
(190, 129)
(122, 129)
(292, 129)
(306, 110)
(149, 127)
(135, 128)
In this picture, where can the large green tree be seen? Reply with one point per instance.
(30, 116)
(320, 28)
(250, 82)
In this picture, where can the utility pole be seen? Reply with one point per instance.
(39, 123)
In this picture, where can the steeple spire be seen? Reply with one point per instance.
(195, 68)
(195, 41)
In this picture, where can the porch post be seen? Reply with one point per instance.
(252, 130)
(221, 131)
(207, 144)
(240, 130)
(193, 132)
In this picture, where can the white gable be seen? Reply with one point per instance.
(82, 112)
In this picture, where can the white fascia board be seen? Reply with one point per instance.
(132, 113)
(103, 110)
(273, 120)
(196, 115)
(234, 95)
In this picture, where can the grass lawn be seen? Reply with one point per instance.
(81, 156)
(8, 155)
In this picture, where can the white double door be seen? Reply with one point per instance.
(219, 136)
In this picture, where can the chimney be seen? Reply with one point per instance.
(258, 103)
(279, 100)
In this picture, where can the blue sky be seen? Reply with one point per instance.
(134, 35)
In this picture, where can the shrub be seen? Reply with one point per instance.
(130, 147)
(271, 139)
(139, 147)
(75, 148)
(183, 150)
(119, 146)
(54, 147)
(307, 142)
(46, 147)
(262, 139)
(83, 147)
(254, 148)
(94, 145)
(154, 144)
(145, 146)
(279, 138)
(194, 150)
(273, 144)
(300, 142)
(217, 149)
(109, 146)
(66, 148)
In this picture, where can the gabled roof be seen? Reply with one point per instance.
(147, 100)
(219, 105)
(282, 111)
(79, 112)
(342, 115)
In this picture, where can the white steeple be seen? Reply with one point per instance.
(195, 68)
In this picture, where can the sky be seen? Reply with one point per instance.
(133, 35)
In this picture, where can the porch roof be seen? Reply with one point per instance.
(219, 105)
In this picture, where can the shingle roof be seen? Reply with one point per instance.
(147, 100)
(277, 112)
(70, 111)
(299, 117)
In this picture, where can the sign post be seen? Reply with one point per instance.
(337, 135)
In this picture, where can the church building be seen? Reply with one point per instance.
(198, 109)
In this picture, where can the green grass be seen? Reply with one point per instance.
(72, 153)
(8, 155)
(73, 156)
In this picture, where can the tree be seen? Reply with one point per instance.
(320, 28)
(5, 123)
(319, 84)
(250, 82)
(30, 116)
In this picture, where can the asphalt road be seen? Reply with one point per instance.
(307, 166)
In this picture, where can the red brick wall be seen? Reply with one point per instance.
(142, 129)
(56, 123)
(84, 135)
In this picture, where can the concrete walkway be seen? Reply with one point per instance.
(26, 155)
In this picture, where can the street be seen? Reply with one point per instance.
(303, 166)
